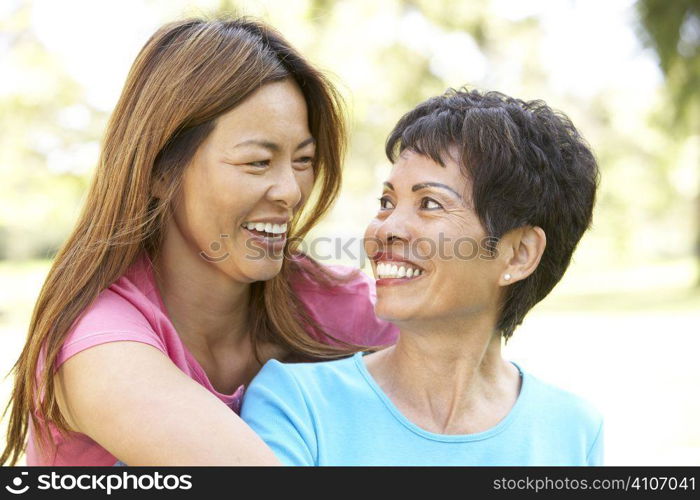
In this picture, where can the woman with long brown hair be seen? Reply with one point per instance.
(182, 275)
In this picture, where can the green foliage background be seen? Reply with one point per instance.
(622, 326)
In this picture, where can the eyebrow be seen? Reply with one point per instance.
(271, 145)
(425, 185)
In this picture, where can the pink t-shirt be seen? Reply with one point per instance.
(131, 309)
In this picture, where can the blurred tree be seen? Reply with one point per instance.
(385, 57)
(672, 29)
(388, 56)
(48, 142)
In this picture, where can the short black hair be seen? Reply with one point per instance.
(528, 166)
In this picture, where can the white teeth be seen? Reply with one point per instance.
(268, 227)
(389, 270)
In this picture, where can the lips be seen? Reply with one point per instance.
(269, 233)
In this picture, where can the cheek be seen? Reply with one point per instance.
(216, 199)
(424, 248)
(437, 241)
(371, 241)
(305, 179)
(190, 206)
(469, 281)
(460, 239)
(462, 272)
(192, 214)
(236, 195)
(211, 185)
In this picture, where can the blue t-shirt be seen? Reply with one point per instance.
(334, 413)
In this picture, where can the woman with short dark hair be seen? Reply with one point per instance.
(516, 183)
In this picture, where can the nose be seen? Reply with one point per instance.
(286, 189)
(396, 227)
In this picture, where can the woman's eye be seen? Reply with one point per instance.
(385, 203)
(429, 204)
(261, 163)
(305, 161)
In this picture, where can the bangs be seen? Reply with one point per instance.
(434, 135)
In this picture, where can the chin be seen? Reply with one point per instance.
(263, 270)
(393, 311)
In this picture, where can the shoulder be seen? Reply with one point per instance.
(301, 384)
(286, 404)
(112, 307)
(119, 313)
(564, 406)
(564, 424)
(305, 376)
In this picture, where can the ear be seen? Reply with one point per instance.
(158, 188)
(527, 246)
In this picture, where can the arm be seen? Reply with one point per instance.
(275, 408)
(133, 401)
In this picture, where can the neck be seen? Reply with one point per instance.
(207, 308)
(448, 376)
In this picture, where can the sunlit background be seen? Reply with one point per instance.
(622, 327)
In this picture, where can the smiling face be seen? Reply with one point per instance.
(426, 223)
(245, 182)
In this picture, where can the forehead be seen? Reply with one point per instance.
(277, 111)
(412, 167)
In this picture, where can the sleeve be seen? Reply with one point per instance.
(595, 454)
(110, 318)
(275, 408)
(346, 311)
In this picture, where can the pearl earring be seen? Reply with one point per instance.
(507, 276)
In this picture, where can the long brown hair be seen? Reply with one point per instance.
(188, 73)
